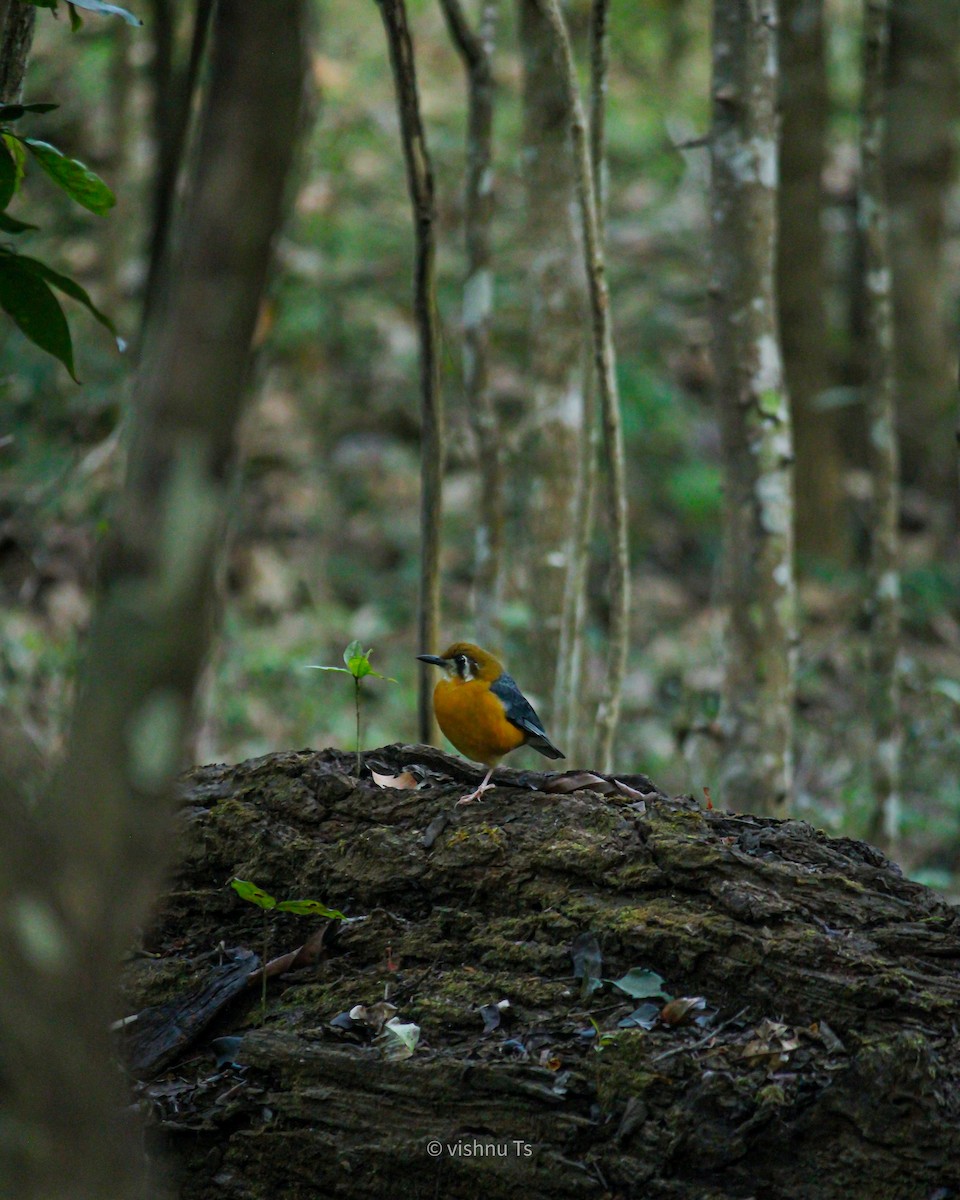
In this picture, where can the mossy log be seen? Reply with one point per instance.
(831, 1068)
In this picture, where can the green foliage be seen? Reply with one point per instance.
(26, 284)
(78, 181)
(358, 667)
(263, 900)
(256, 895)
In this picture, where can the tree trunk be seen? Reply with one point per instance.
(923, 104)
(78, 870)
(432, 441)
(757, 713)
(476, 51)
(881, 412)
(822, 523)
(545, 456)
(589, 194)
(830, 1068)
(17, 20)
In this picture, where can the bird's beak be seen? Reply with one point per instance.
(434, 659)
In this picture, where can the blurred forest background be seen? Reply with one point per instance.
(325, 538)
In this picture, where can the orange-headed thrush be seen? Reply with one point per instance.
(482, 711)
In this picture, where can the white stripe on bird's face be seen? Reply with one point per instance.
(464, 667)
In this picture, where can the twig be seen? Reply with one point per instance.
(703, 1041)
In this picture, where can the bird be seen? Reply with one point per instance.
(482, 711)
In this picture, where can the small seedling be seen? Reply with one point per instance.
(256, 895)
(358, 666)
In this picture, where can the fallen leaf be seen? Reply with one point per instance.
(645, 1017)
(398, 1040)
(402, 782)
(374, 1015)
(639, 983)
(683, 1009)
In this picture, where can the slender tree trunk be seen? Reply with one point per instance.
(757, 714)
(882, 434)
(17, 19)
(822, 523)
(79, 871)
(575, 734)
(420, 184)
(923, 105)
(544, 467)
(476, 50)
(604, 361)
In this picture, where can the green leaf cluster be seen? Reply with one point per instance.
(256, 895)
(358, 664)
(27, 285)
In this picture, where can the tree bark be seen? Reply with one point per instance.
(174, 92)
(432, 448)
(757, 713)
(923, 104)
(881, 412)
(832, 978)
(546, 451)
(476, 51)
(570, 693)
(17, 20)
(78, 870)
(823, 529)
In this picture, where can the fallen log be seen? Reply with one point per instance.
(533, 942)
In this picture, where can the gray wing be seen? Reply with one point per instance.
(520, 712)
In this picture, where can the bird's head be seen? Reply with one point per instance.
(464, 661)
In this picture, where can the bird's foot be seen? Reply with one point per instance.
(486, 786)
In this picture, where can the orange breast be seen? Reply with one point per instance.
(472, 718)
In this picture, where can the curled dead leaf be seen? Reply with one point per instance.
(682, 1009)
(403, 782)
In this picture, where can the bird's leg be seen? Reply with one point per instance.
(484, 787)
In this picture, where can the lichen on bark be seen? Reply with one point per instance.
(760, 649)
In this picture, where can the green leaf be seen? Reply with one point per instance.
(8, 175)
(35, 310)
(76, 24)
(78, 181)
(10, 224)
(305, 907)
(97, 6)
(638, 983)
(17, 153)
(13, 112)
(70, 288)
(357, 660)
(315, 667)
(256, 895)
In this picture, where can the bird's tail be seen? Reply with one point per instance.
(539, 741)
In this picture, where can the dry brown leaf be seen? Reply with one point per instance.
(682, 1009)
(402, 782)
